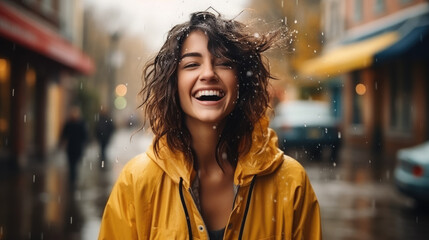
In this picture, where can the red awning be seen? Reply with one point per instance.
(19, 28)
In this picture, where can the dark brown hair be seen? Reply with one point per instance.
(226, 38)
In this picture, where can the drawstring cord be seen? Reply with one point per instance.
(182, 199)
(249, 196)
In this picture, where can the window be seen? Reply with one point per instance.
(405, 1)
(29, 1)
(358, 7)
(357, 100)
(5, 93)
(334, 21)
(47, 6)
(400, 98)
(380, 6)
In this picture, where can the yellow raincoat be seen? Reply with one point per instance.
(152, 198)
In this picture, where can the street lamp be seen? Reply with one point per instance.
(116, 59)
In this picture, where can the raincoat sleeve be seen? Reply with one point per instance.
(306, 224)
(119, 220)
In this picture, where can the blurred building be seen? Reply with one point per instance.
(119, 57)
(40, 58)
(379, 51)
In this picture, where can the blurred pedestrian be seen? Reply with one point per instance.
(104, 130)
(214, 170)
(74, 136)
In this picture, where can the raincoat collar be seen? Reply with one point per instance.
(263, 158)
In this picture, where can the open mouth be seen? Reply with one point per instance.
(209, 95)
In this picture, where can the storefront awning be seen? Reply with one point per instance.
(21, 29)
(348, 57)
(414, 45)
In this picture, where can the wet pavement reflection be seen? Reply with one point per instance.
(39, 203)
(358, 199)
(356, 195)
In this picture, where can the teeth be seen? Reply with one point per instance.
(209, 93)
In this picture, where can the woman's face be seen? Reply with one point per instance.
(208, 86)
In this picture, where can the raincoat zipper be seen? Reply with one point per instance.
(236, 188)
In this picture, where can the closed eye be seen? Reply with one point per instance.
(225, 64)
(191, 65)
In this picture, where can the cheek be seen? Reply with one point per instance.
(233, 85)
(183, 87)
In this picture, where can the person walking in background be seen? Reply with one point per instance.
(214, 170)
(74, 136)
(104, 130)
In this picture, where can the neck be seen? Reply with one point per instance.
(205, 137)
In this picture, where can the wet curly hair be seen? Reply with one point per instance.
(229, 39)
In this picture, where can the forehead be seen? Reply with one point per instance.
(196, 41)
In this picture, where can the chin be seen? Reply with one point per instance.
(211, 119)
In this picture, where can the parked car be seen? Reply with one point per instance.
(412, 172)
(309, 125)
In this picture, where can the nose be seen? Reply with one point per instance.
(208, 73)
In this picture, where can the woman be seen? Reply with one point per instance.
(214, 170)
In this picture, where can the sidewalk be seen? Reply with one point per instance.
(36, 202)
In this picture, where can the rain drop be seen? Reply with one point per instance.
(34, 178)
(334, 164)
(71, 220)
(102, 164)
(25, 118)
(339, 135)
(13, 92)
(296, 21)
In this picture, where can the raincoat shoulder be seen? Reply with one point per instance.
(284, 205)
(129, 197)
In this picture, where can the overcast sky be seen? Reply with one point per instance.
(152, 19)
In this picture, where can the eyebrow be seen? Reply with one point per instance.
(191, 54)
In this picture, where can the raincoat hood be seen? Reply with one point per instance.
(263, 158)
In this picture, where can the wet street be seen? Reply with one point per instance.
(356, 195)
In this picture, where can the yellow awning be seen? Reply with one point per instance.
(348, 57)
